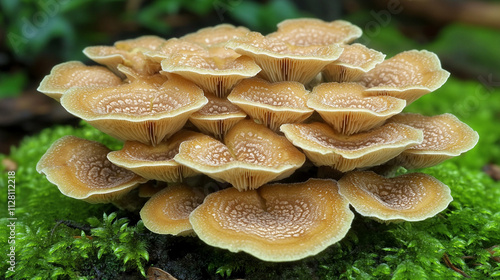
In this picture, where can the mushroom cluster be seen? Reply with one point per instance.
(304, 106)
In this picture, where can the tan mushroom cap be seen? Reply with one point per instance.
(167, 212)
(131, 75)
(251, 156)
(345, 108)
(217, 117)
(355, 60)
(325, 147)
(445, 136)
(138, 111)
(173, 46)
(278, 222)
(407, 75)
(76, 74)
(281, 61)
(80, 169)
(409, 197)
(155, 163)
(216, 35)
(310, 31)
(271, 104)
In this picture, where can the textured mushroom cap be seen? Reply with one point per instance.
(138, 111)
(355, 60)
(281, 61)
(155, 163)
(445, 136)
(216, 35)
(408, 75)
(173, 46)
(131, 76)
(325, 147)
(167, 212)
(345, 108)
(409, 197)
(251, 156)
(76, 74)
(80, 169)
(279, 222)
(310, 31)
(217, 117)
(271, 104)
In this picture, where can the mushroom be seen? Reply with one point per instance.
(80, 169)
(325, 147)
(311, 32)
(278, 222)
(217, 117)
(251, 156)
(408, 197)
(138, 111)
(281, 61)
(271, 104)
(216, 35)
(167, 212)
(155, 163)
(171, 47)
(445, 136)
(131, 75)
(76, 74)
(408, 75)
(345, 108)
(355, 60)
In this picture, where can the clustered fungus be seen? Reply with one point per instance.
(237, 109)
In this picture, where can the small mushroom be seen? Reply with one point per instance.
(155, 163)
(324, 147)
(167, 212)
(278, 222)
(281, 61)
(251, 156)
(445, 136)
(408, 75)
(408, 197)
(345, 108)
(271, 104)
(138, 111)
(80, 169)
(216, 35)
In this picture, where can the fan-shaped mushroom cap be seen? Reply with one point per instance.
(171, 47)
(271, 104)
(155, 163)
(76, 74)
(344, 107)
(251, 156)
(355, 60)
(167, 212)
(217, 117)
(137, 111)
(409, 197)
(310, 31)
(408, 75)
(80, 169)
(325, 147)
(279, 222)
(281, 61)
(216, 35)
(445, 136)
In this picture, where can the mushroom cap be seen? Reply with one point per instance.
(355, 60)
(216, 35)
(217, 117)
(76, 74)
(310, 31)
(407, 75)
(171, 47)
(281, 61)
(271, 104)
(138, 111)
(132, 75)
(408, 197)
(345, 108)
(80, 169)
(278, 222)
(346, 152)
(167, 212)
(155, 163)
(251, 156)
(445, 136)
